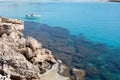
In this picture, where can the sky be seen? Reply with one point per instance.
(52, 0)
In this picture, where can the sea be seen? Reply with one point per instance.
(99, 22)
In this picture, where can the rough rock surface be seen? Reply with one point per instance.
(79, 74)
(5, 77)
(24, 59)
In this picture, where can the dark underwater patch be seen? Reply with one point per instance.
(100, 61)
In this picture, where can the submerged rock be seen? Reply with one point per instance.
(24, 59)
(92, 71)
(79, 74)
(53, 74)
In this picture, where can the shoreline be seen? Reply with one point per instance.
(76, 52)
(101, 1)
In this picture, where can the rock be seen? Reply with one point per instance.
(92, 71)
(64, 70)
(29, 54)
(19, 27)
(32, 43)
(45, 51)
(15, 64)
(53, 75)
(79, 74)
(9, 20)
(5, 77)
(5, 28)
(24, 59)
(42, 56)
(114, 0)
(22, 43)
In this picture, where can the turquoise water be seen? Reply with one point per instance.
(99, 22)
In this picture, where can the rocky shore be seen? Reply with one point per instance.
(114, 0)
(99, 61)
(25, 58)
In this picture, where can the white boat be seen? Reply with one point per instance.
(33, 16)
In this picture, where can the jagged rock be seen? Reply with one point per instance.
(45, 51)
(5, 77)
(64, 70)
(29, 54)
(22, 43)
(5, 28)
(15, 64)
(32, 43)
(79, 74)
(10, 25)
(9, 20)
(53, 74)
(24, 59)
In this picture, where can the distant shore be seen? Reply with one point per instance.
(62, 1)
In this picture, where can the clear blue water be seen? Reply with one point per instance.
(99, 22)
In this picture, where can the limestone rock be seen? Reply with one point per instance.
(9, 20)
(5, 28)
(32, 43)
(53, 75)
(64, 70)
(22, 43)
(24, 59)
(15, 64)
(45, 51)
(5, 77)
(79, 74)
(29, 54)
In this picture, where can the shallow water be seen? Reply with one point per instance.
(99, 22)
(98, 60)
